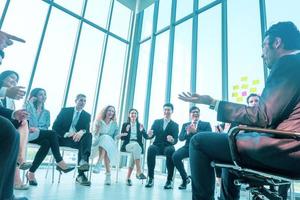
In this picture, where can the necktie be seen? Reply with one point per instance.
(75, 120)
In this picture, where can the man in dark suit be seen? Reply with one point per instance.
(9, 137)
(73, 128)
(278, 108)
(188, 130)
(165, 132)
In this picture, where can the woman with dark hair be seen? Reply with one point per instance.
(39, 122)
(105, 133)
(132, 134)
(10, 79)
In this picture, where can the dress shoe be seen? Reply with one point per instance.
(31, 181)
(141, 176)
(129, 182)
(83, 166)
(82, 180)
(184, 183)
(149, 183)
(66, 170)
(168, 185)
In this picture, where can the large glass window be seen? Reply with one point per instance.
(120, 20)
(164, 14)
(184, 8)
(147, 21)
(245, 67)
(86, 65)
(283, 11)
(141, 81)
(20, 57)
(111, 83)
(209, 74)
(97, 11)
(157, 99)
(2, 5)
(203, 3)
(54, 61)
(181, 70)
(73, 5)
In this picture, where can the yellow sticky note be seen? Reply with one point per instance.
(244, 78)
(239, 99)
(236, 87)
(245, 86)
(235, 94)
(255, 82)
(253, 90)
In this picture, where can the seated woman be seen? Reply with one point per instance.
(132, 133)
(10, 79)
(39, 122)
(105, 133)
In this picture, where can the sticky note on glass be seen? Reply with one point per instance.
(244, 93)
(253, 90)
(244, 78)
(245, 86)
(255, 82)
(235, 94)
(236, 87)
(239, 99)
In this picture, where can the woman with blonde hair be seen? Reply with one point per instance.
(105, 132)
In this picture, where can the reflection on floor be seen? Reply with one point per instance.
(67, 189)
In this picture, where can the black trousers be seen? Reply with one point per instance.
(155, 150)
(83, 146)
(261, 152)
(178, 156)
(9, 149)
(47, 140)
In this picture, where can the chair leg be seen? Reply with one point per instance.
(63, 153)
(292, 191)
(91, 169)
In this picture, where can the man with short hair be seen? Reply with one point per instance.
(278, 108)
(165, 131)
(73, 128)
(189, 129)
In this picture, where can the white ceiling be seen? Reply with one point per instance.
(136, 5)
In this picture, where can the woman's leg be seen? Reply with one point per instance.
(106, 163)
(23, 130)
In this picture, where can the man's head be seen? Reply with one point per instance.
(253, 99)
(280, 39)
(168, 110)
(80, 101)
(194, 113)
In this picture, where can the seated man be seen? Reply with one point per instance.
(73, 128)
(165, 132)
(188, 130)
(278, 108)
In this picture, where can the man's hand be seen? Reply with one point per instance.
(7, 40)
(170, 138)
(141, 127)
(16, 92)
(196, 98)
(77, 136)
(20, 115)
(191, 129)
(150, 133)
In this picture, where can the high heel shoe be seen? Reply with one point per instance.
(66, 170)
(32, 182)
(24, 165)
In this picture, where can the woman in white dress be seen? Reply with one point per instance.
(105, 132)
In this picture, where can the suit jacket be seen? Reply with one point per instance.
(140, 135)
(161, 135)
(279, 107)
(64, 120)
(201, 127)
